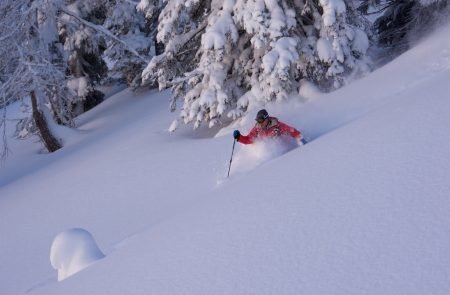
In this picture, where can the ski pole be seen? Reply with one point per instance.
(231, 159)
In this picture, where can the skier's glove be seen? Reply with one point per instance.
(236, 134)
(301, 140)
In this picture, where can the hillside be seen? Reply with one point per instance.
(361, 209)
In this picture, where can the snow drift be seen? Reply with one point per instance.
(72, 251)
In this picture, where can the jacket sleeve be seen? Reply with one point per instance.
(248, 139)
(286, 129)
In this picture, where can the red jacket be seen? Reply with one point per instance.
(273, 129)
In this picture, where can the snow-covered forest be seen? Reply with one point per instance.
(104, 190)
(221, 59)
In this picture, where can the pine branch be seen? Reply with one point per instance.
(387, 5)
(186, 77)
(105, 32)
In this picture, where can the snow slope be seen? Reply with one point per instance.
(362, 209)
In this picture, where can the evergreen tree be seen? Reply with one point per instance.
(128, 23)
(400, 20)
(224, 58)
(84, 45)
(110, 42)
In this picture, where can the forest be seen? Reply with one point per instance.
(221, 59)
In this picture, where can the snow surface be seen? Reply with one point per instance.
(362, 209)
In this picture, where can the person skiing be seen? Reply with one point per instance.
(267, 127)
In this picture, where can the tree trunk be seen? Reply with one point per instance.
(50, 141)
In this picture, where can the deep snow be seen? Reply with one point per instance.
(362, 209)
(72, 251)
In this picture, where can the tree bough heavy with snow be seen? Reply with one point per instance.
(224, 58)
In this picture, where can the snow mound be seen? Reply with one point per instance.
(72, 251)
(248, 157)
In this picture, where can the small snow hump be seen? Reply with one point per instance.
(72, 251)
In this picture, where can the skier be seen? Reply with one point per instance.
(267, 126)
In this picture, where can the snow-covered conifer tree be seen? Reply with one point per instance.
(109, 42)
(180, 26)
(126, 22)
(84, 45)
(402, 21)
(341, 44)
(244, 53)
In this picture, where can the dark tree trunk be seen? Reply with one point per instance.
(50, 141)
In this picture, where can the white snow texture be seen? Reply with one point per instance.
(72, 251)
(362, 209)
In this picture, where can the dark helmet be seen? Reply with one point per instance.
(262, 115)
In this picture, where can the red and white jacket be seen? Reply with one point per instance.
(273, 129)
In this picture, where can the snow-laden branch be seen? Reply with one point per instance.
(187, 76)
(172, 49)
(106, 33)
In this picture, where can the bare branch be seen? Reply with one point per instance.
(4, 151)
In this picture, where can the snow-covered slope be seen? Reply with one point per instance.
(362, 209)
